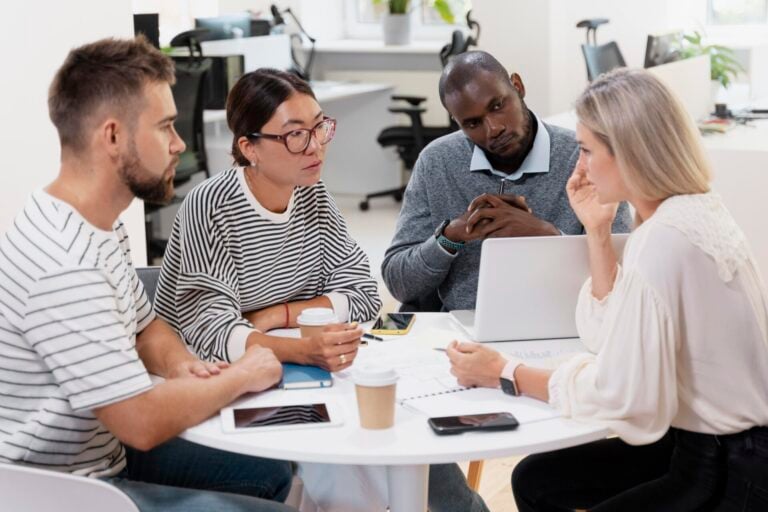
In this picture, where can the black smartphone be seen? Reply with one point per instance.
(393, 323)
(447, 425)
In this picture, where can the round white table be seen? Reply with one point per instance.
(410, 446)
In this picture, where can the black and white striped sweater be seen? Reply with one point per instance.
(228, 255)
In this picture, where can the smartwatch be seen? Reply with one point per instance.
(507, 379)
(509, 386)
(450, 245)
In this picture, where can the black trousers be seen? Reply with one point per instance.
(683, 471)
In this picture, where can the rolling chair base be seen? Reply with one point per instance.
(396, 193)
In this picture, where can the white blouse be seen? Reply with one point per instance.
(681, 339)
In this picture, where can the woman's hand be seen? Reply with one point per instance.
(334, 349)
(582, 195)
(474, 364)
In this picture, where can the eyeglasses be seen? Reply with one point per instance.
(297, 141)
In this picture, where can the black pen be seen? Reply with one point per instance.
(372, 337)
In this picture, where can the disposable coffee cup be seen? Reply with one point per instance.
(312, 321)
(375, 389)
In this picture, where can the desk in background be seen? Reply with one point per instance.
(410, 446)
(374, 55)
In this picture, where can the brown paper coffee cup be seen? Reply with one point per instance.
(312, 321)
(376, 406)
(375, 388)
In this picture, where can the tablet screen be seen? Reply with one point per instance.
(254, 417)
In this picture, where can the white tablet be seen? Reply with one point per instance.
(280, 415)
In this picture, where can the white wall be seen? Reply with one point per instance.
(36, 37)
(630, 23)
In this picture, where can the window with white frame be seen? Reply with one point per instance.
(363, 19)
(737, 12)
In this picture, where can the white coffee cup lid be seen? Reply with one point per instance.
(374, 376)
(317, 316)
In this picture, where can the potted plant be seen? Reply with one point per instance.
(723, 64)
(397, 20)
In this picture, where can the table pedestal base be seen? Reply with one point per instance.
(408, 488)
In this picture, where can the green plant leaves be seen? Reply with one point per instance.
(723, 64)
(443, 8)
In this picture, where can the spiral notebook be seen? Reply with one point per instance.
(441, 400)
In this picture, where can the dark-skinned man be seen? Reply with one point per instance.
(455, 200)
(453, 203)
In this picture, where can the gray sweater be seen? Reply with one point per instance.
(441, 187)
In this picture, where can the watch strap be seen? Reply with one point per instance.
(449, 244)
(445, 242)
(510, 387)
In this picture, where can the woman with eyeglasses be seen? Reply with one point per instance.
(254, 246)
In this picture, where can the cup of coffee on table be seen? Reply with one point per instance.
(375, 389)
(312, 321)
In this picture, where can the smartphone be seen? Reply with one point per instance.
(447, 425)
(394, 323)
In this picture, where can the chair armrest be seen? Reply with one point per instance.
(413, 100)
(407, 110)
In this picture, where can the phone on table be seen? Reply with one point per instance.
(393, 323)
(447, 425)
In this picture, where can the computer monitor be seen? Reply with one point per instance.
(662, 48)
(149, 25)
(230, 26)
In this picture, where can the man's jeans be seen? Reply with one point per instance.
(180, 476)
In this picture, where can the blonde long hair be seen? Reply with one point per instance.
(654, 140)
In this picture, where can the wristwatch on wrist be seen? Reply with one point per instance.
(507, 379)
(443, 241)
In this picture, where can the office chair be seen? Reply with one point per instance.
(188, 94)
(599, 58)
(409, 140)
(26, 489)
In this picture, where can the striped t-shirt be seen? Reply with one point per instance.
(70, 307)
(228, 255)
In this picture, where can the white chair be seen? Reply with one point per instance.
(24, 489)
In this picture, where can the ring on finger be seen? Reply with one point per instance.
(343, 358)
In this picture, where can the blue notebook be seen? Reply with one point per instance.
(297, 376)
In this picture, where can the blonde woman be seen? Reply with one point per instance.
(679, 369)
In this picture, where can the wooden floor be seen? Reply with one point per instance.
(495, 485)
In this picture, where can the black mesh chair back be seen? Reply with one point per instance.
(189, 97)
(602, 58)
(188, 94)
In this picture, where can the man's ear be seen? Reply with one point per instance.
(109, 136)
(517, 83)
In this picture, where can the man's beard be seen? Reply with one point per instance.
(141, 182)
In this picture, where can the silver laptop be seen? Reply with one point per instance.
(528, 288)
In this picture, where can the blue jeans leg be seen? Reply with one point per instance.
(164, 498)
(181, 464)
(449, 492)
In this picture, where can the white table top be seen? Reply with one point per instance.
(377, 46)
(325, 92)
(410, 441)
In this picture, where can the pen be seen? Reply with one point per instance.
(501, 186)
(372, 337)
